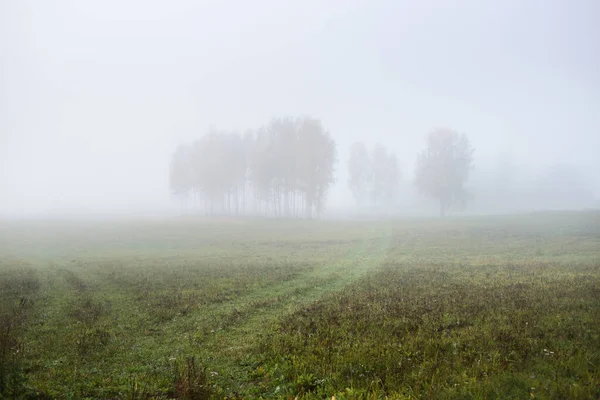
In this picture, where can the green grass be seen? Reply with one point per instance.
(495, 307)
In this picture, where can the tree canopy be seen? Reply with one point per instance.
(283, 169)
(443, 168)
(286, 167)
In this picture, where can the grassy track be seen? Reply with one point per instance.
(239, 341)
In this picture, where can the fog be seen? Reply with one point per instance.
(95, 97)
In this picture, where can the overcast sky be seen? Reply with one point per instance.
(95, 96)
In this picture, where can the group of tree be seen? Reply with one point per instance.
(286, 168)
(373, 176)
(282, 169)
(441, 171)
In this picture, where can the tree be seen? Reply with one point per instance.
(443, 168)
(316, 157)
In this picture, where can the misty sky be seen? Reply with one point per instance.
(95, 96)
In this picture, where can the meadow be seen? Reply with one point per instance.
(473, 307)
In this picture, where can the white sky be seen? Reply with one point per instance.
(95, 96)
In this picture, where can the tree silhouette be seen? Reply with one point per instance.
(443, 168)
(284, 169)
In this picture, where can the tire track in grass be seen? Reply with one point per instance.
(236, 324)
(224, 351)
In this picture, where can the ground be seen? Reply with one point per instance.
(473, 307)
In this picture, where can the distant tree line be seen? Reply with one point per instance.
(286, 168)
(441, 172)
(283, 169)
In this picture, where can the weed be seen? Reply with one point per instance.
(191, 381)
(87, 311)
(18, 290)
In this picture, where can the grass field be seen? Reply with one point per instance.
(495, 307)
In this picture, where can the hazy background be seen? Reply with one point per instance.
(95, 96)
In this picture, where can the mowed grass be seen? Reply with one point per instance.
(478, 307)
